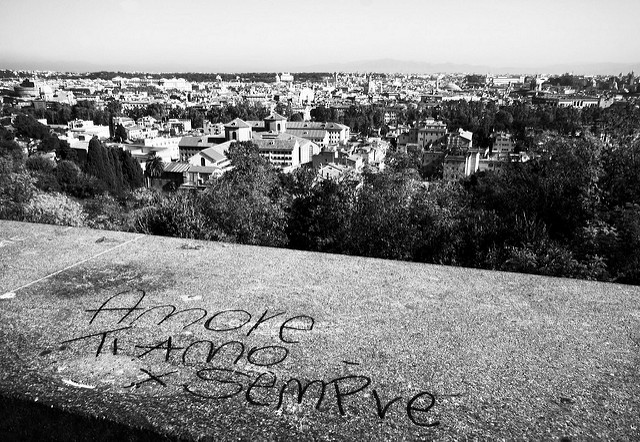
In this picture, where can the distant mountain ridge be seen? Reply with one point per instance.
(387, 65)
(383, 65)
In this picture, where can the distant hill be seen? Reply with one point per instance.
(388, 65)
(593, 68)
(384, 65)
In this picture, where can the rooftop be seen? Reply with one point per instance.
(237, 123)
(275, 117)
(176, 167)
(298, 125)
(217, 153)
(192, 141)
(123, 329)
(308, 133)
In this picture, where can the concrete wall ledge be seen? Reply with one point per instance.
(112, 336)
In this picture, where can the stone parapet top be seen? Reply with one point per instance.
(190, 339)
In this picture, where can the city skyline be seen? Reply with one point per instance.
(161, 36)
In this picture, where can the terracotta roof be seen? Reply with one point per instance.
(315, 125)
(176, 167)
(308, 133)
(215, 153)
(275, 117)
(237, 123)
(335, 126)
(275, 144)
(281, 141)
(190, 142)
(203, 169)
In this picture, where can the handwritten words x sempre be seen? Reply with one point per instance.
(215, 381)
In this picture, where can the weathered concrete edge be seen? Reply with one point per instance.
(177, 241)
(134, 236)
(25, 419)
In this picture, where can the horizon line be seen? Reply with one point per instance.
(404, 67)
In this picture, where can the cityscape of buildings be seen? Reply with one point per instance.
(194, 150)
(319, 220)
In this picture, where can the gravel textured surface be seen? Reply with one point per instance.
(206, 340)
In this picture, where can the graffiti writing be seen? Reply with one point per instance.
(211, 357)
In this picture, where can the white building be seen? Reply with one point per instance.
(285, 150)
(503, 144)
(179, 84)
(85, 130)
(286, 77)
(214, 156)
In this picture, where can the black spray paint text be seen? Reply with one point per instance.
(215, 382)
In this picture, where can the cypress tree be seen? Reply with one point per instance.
(95, 161)
(131, 171)
(118, 169)
(127, 173)
(108, 175)
(114, 157)
(138, 173)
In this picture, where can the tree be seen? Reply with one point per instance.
(321, 114)
(155, 110)
(114, 108)
(29, 127)
(116, 166)
(74, 182)
(379, 223)
(319, 218)
(120, 134)
(561, 188)
(621, 181)
(196, 117)
(247, 202)
(11, 151)
(284, 109)
(503, 120)
(625, 262)
(108, 173)
(103, 164)
(154, 168)
(65, 152)
(95, 159)
(409, 162)
(67, 173)
(49, 144)
(132, 174)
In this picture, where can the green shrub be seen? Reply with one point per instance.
(47, 182)
(54, 208)
(40, 163)
(16, 189)
(104, 212)
(176, 215)
(67, 172)
(77, 183)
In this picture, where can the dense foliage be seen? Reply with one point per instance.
(574, 211)
(485, 118)
(551, 216)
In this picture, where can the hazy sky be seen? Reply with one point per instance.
(261, 35)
